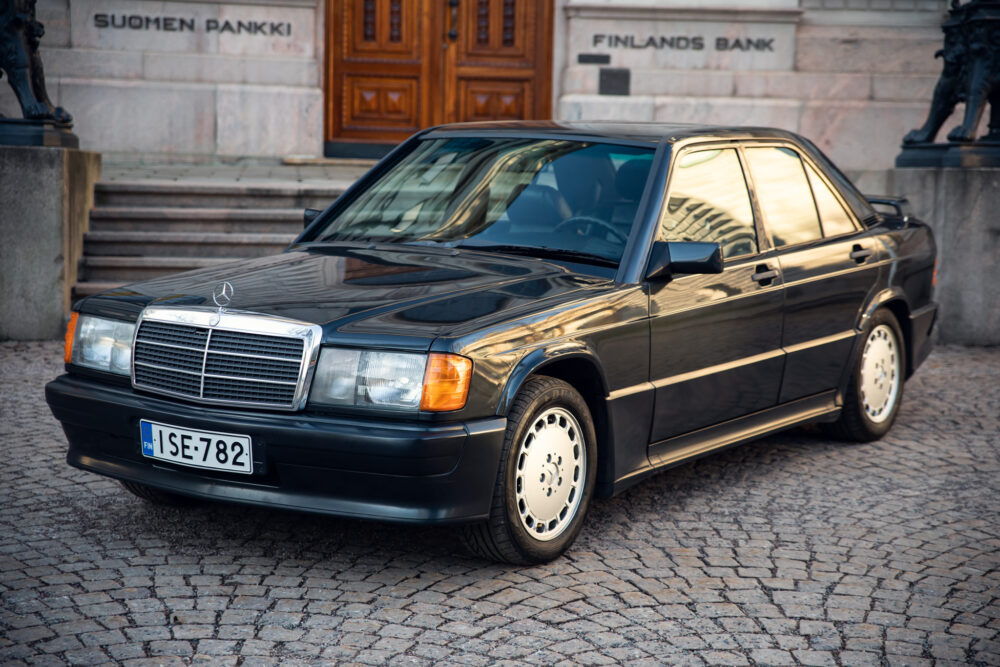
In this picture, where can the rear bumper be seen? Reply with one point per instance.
(409, 472)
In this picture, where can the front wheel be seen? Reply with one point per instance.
(546, 477)
(875, 389)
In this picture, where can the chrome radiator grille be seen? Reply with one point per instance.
(212, 364)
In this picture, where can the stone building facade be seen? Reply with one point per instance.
(194, 80)
(186, 80)
(852, 75)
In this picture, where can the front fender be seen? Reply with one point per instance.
(538, 359)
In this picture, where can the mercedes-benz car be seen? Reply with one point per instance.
(502, 320)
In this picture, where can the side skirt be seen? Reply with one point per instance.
(674, 451)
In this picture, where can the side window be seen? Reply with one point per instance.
(785, 196)
(834, 218)
(708, 201)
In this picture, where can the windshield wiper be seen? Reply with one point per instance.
(544, 252)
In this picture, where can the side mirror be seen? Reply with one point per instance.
(670, 257)
(309, 215)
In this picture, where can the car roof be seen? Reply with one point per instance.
(642, 133)
(614, 131)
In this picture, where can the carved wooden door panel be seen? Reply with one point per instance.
(381, 64)
(498, 64)
(396, 66)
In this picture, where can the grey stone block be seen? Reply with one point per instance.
(88, 64)
(682, 83)
(905, 87)
(45, 197)
(204, 68)
(300, 42)
(580, 79)
(804, 85)
(860, 135)
(783, 114)
(86, 35)
(140, 116)
(8, 101)
(54, 15)
(269, 120)
(867, 50)
(606, 107)
(283, 71)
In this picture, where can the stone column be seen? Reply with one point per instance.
(45, 199)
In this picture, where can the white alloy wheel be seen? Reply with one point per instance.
(551, 473)
(881, 368)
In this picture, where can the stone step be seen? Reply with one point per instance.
(194, 193)
(170, 219)
(88, 288)
(184, 244)
(121, 270)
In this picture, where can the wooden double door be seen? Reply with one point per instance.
(396, 66)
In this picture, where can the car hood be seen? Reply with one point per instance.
(361, 292)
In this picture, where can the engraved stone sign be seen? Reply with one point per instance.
(660, 38)
(171, 27)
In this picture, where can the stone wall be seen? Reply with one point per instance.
(852, 76)
(186, 80)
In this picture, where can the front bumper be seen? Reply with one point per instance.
(364, 468)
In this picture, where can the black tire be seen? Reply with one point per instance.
(504, 536)
(156, 496)
(855, 422)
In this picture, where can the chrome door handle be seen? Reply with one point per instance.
(859, 254)
(764, 275)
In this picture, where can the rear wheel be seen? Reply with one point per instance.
(157, 496)
(875, 390)
(546, 477)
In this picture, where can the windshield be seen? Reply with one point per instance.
(517, 195)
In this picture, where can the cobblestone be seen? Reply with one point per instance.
(792, 550)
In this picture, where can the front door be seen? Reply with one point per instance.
(715, 340)
(397, 66)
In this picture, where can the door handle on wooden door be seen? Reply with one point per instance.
(453, 32)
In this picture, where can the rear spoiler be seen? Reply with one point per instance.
(896, 203)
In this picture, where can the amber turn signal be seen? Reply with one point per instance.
(446, 382)
(70, 335)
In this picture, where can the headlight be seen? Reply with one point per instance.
(100, 343)
(392, 380)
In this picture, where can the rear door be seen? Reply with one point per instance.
(715, 339)
(827, 260)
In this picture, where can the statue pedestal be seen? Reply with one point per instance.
(922, 155)
(21, 132)
(961, 207)
(978, 154)
(45, 199)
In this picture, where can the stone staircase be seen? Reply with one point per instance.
(153, 222)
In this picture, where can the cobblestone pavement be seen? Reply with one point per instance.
(794, 549)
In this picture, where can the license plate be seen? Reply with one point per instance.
(199, 449)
